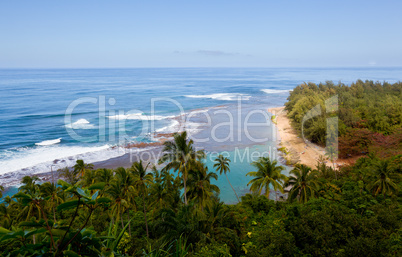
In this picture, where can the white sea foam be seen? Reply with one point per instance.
(171, 128)
(29, 160)
(139, 116)
(275, 91)
(120, 116)
(81, 124)
(192, 128)
(196, 112)
(49, 142)
(222, 96)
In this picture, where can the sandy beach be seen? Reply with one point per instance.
(299, 151)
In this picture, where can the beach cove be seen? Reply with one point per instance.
(35, 137)
(300, 150)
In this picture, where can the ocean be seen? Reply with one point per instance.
(52, 117)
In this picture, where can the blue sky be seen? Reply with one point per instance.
(83, 34)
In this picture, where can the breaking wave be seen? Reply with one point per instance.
(222, 96)
(275, 91)
(49, 142)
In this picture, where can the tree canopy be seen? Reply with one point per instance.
(369, 115)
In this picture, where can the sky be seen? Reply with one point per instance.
(254, 33)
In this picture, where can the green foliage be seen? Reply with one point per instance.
(267, 174)
(369, 113)
(273, 119)
(214, 250)
(283, 150)
(180, 155)
(304, 183)
(222, 165)
(136, 212)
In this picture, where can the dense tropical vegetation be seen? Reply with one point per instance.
(369, 115)
(175, 210)
(132, 212)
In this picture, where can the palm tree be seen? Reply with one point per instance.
(268, 173)
(200, 189)
(115, 191)
(386, 178)
(161, 191)
(159, 196)
(8, 209)
(104, 175)
(29, 197)
(304, 182)
(81, 167)
(172, 185)
(29, 185)
(89, 178)
(50, 192)
(216, 214)
(178, 154)
(141, 182)
(222, 165)
(170, 224)
(126, 183)
(5, 216)
(69, 175)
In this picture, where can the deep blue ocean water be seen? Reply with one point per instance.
(33, 102)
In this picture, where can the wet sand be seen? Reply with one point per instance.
(148, 155)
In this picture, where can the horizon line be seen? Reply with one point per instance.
(193, 67)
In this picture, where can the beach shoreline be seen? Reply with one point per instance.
(197, 128)
(298, 150)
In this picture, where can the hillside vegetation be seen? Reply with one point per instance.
(369, 115)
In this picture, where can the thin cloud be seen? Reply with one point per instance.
(215, 53)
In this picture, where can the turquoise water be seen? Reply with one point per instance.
(114, 106)
(240, 165)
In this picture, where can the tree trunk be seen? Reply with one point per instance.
(185, 189)
(54, 209)
(54, 214)
(145, 214)
(129, 223)
(52, 245)
(267, 191)
(333, 165)
(121, 217)
(29, 212)
(232, 187)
